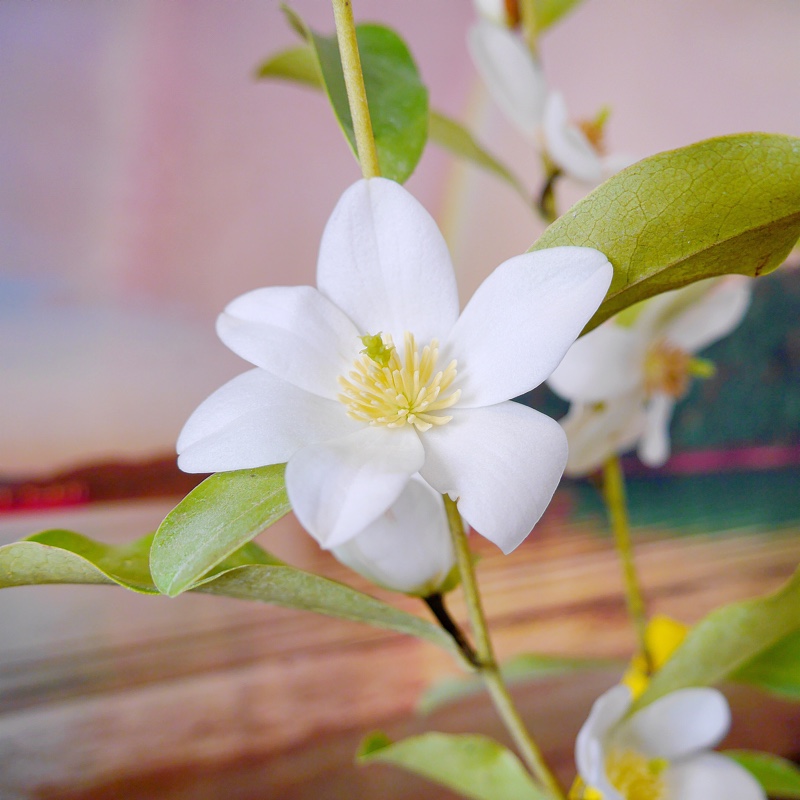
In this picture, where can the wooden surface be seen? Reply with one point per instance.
(107, 694)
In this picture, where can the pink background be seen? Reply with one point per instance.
(146, 179)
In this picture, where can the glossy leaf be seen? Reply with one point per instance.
(300, 66)
(215, 519)
(522, 668)
(474, 766)
(726, 205)
(59, 556)
(548, 12)
(397, 98)
(294, 588)
(779, 777)
(250, 573)
(726, 640)
(777, 670)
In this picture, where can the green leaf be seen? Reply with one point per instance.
(453, 136)
(215, 519)
(397, 98)
(300, 66)
(726, 640)
(779, 777)
(776, 670)
(727, 205)
(250, 573)
(475, 766)
(59, 556)
(294, 588)
(548, 12)
(521, 668)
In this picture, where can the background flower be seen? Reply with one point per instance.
(662, 751)
(625, 377)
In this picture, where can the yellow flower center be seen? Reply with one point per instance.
(636, 777)
(383, 389)
(670, 369)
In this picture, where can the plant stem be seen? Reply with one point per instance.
(356, 92)
(616, 504)
(435, 603)
(486, 664)
(528, 15)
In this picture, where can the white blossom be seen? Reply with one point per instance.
(374, 376)
(624, 378)
(661, 752)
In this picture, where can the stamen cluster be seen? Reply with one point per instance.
(667, 370)
(384, 388)
(635, 776)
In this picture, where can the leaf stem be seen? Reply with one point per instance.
(616, 504)
(486, 664)
(356, 92)
(529, 27)
(435, 603)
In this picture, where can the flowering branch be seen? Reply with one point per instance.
(486, 664)
(616, 504)
(356, 92)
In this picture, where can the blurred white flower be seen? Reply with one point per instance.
(408, 548)
(663, 751)
(500, 12)
(517, 84)
(624, 377)
(374, 376)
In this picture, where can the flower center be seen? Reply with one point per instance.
(636, 777)
(670, 369)
(383, 389)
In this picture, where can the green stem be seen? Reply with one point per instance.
(616, 504)
(356, 92)
(528, 15)
(486, 664)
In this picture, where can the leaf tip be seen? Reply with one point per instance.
(371, 744)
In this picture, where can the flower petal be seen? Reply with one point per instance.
(567, 145)
(383, 261)
(590, 758)
(605, 363)
(711, 776)
(408, 548)
(254, 420)
(677, 725)
(293, 332)
(654, 447)
(595, 434)
(515, 81)
(713, 316)
(503, 463)
(523, 319)
(339, 487)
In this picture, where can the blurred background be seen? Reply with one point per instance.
(146, 179)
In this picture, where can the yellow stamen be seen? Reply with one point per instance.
(383, 389)
(635, 776)
(666, 369)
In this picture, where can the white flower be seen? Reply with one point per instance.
(500, 12)
(624, 379)
(374, 376)
(516, 81)
(408, 548)
(661, 752)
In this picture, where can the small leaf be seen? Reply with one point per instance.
(397, 98)
(475, 766)
(58, 556)
(726, 205)
(522, 668)
(293, 588)
(548, 12)
(778, 776)
(215, 519)
(726, 640)
(453, 136)
(300, 66)
(776, 670)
